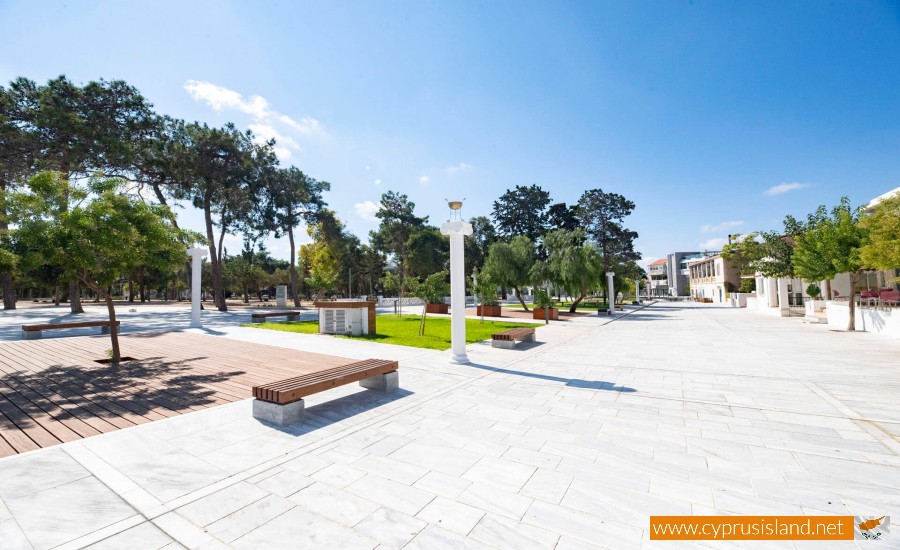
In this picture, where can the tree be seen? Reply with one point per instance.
(573, 263)
(97, 234)
(766, 253)
(603, 215)
(221, 170)
(76, 130)
(429, 252)
(398, 223)
(882, 222)
(510, 264)
(522, 211)
(561, 216)
(830, 243)
(297, 198)
(476, 246)
(433, 288)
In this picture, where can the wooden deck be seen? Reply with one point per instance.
(53, 390)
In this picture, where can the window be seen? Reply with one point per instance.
(718, 269)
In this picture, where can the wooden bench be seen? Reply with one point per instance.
(507, 338)
(261, 317)
(281, 402)
(33, 332)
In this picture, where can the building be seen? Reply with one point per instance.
(713, 278)
(678, 273)
(659, 278)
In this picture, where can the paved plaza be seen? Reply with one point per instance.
(571, 442)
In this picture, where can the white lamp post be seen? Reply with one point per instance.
(457, 230)
(196, 254)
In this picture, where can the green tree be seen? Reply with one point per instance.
(510, 264)
(603, 215)
(882, 222)
(96, 234)
(561, 216)
(77, 130)
(476, 246)
(428, 252)
(522, 211)
(297, 198)
(573, 264)
(398, 222)
(431, 290)
(830, 243)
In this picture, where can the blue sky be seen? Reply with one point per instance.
(699, 112)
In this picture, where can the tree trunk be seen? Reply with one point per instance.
(519, 296)
(214, 265)
(131, 290)
(293, 269)
(75, 297)
(851, 324)
(143, 286)
(56, 296)
(9, 291)
(581, 295)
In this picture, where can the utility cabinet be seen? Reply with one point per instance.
(346, 317)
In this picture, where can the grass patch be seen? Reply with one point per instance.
(403, 330)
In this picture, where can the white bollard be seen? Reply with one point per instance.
(196, 254)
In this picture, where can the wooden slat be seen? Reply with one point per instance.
(80, 324)
(512, 334)
(292, 389)
(52, 390)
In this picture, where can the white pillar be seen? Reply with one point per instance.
(637, 291)
(196, 254)
(457, 232)
(783, 304)
(610, 292)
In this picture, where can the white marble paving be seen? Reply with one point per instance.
(568, 444)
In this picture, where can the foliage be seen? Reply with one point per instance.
(521, 212)
(747, 285)
(96, 234)
(813, 290)
(542, 299)
(404, 330)
(485, 287)
(561, 216)
(477, 245)
(882, 223)
(573, 264)
(767, 253)
(510, 264)
(431, 290)
(830, 243)
(428, 252)
(602, 215)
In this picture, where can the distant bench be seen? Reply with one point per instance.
(281, 402)
(261, 317)
(33, 332)
(507, 338)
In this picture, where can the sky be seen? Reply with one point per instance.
(713, 117)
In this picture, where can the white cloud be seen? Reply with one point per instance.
(366, 210)
(724, 226)
(461, 167)
(377, 182)
(283, 144)
(220, 98)
(265, 120)
(713, 244)
(784, 188)
(424, 179)
(367, 168)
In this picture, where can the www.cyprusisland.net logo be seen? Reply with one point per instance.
(871, 527)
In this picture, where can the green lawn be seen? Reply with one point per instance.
(404, 330)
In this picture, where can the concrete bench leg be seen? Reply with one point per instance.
(293, 318)
(529, 338)
(503, 344)
(257, 320)
(104, 330)
(382, 382)
(280, 415)
(31, 334)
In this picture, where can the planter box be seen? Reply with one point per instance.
(489, 311)
(813, 306)
(538, 313)
(437, 308)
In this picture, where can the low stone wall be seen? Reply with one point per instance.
(883, 321)
(404, 301)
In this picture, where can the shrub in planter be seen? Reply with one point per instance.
(813, 291)
(486, 289)
(543, 302)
